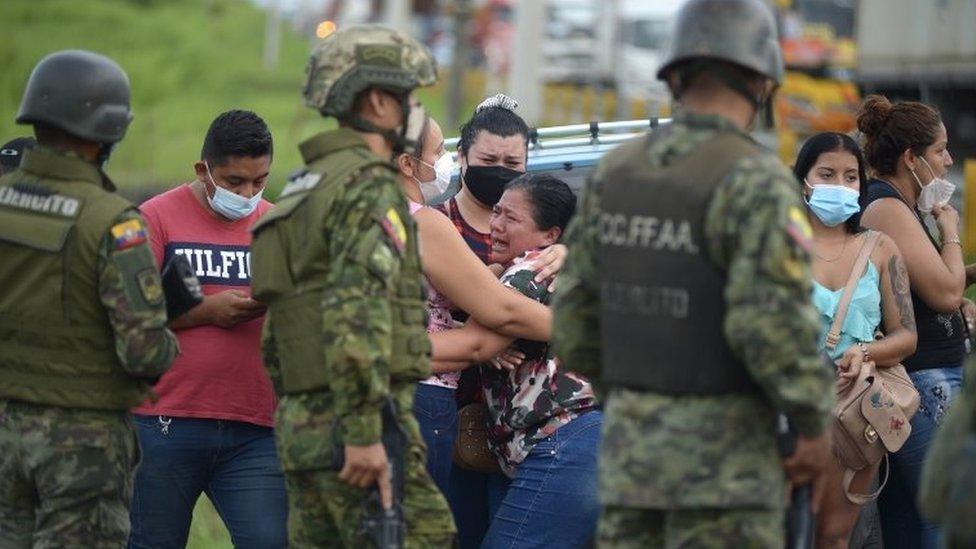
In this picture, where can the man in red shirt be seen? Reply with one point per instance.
(210, 431)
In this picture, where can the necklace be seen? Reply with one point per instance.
(838, 256)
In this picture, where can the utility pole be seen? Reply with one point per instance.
(396, 13)
(272, 35)
(455, 93)
(524, 81)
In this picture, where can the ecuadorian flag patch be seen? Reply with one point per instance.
(128, 234)
(798, 227)
(393, 227)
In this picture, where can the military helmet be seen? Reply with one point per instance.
(742, 32)
(81, 92)
(361, 57)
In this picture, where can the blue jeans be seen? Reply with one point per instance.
(466, 491)
(234, 463)
(436, 412)
(552, 501)
(901, 524)
(468, 497)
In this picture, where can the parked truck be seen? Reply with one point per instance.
(922, 50)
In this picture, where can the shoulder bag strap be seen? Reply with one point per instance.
(861, 499)
(860, 264)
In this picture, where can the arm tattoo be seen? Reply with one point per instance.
(901, 287)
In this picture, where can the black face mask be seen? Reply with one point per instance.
(487, 183)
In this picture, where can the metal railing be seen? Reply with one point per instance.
(575, 135)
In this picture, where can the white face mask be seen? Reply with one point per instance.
(443, 168)
(228, 204)
(936, 193)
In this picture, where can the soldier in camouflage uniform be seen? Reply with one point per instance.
(82, 316)
(686, 295)
(337, 263)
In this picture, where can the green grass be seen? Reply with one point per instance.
(187, 60)
(207, 530)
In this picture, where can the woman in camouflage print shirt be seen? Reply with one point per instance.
(545, 422)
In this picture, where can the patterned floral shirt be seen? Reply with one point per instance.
(529, 403)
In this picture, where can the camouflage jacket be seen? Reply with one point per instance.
(529, 403)
(669, 452)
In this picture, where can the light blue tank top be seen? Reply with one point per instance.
(863, 314)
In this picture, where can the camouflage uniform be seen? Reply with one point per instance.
(82, 319)
(364, 271)
(67, 466)
(337, 262)
(704, 471)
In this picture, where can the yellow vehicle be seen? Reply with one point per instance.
(810, 105)
(806, 105)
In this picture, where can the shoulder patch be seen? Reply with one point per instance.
(301, 182)
(798, 227)
(394, 229)
(128, 234)
(149, 286)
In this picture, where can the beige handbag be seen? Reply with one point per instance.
(471, 447)
(872, 414)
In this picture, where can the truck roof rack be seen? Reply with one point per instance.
(575, 135)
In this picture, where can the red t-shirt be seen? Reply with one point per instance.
(219, 373)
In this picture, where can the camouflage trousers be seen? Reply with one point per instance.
(628, 527)
(326, 512)
(65, 476)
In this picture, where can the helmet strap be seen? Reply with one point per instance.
(104, 153)
(401, 140)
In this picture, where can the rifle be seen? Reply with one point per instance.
(799, 517)
(180, 286)
(384, 526)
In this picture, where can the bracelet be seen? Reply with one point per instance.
(864, 351)
(952, 241)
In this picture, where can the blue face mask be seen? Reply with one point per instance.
(832, 204)
(230, 205)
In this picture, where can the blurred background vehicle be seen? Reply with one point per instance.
(643, 34)
(923, 51)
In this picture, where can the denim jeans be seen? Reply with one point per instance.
(552, 501)
(234, 463)
(436, 412)
(466, 491)
(901, 524)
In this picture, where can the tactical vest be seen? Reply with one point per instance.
(662, 298)
(56, 344)
(291, 253)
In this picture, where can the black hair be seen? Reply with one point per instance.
(553, 202)
(236, 133)
(495, 120)
(832, 142)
